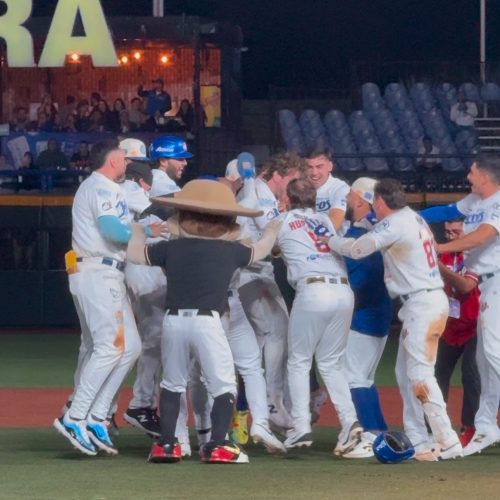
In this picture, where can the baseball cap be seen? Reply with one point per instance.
(158, 80)
(134, 149)
(364, 187)
(232, 170)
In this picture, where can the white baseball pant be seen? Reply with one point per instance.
(362, 356)
(101, 300)
(247, 358)
(424, 317)
(267, 313)
(488, 355)
(319, 326)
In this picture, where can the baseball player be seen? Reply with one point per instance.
(260, 296)
(482, 246)
(459, 338)
(331, 191)
(320, 317)
(95, 266)
(371, 320)
(412, 274)
(196, 298)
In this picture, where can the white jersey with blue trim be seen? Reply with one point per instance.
(407, 246)
(332, 195)
(137, 199)
(303, 253)
(485, 258)
(162, 184)
(96, 197)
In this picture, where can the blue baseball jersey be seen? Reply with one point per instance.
(372, 304)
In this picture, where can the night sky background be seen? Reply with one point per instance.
(310, 43)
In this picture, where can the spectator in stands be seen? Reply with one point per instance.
(81, 159)
(118, 106)
(425, 161)
(70, 125)
(48, 107)
(68, 109)
(43, 123)
(106, 117)
(185, 115)
(125, 126)
(95, 98)
(463, 112)
(83, 116)
(21, 122)
(52, 158)
(136, 114)
(28, 164)
(159, 101)
(96, 121)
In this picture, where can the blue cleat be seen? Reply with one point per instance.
(76, 433)
(98, 432)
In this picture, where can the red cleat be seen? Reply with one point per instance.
(166, 453)
(466, 434)
(227, 453)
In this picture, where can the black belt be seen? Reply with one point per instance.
(404, 298)
(108, 261)
(485, 277)
(174, 311)
(323, 279)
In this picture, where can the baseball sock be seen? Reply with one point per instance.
(170, 403)
(241, 400)
(222, 412)
(367, 404)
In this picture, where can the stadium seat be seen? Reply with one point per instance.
(490, 92)
(471, 91)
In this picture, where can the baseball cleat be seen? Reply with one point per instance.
(466, 434)
(298, 439)
(450, 450)
(348, 439)
(76, 432)
(167, 453)
(185, 446)
(481, 441)
(239, 427)
(227, 453)
(364, 449)
(144, 419)
(424, 452)
(98, 434)
(318, 399)
(113, 429)
(262, 434)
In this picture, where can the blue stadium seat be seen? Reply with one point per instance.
(490, 92)
(471, 91)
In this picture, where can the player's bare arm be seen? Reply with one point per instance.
(481, 236)
(337, 216)
(464, 284)
(263, 247)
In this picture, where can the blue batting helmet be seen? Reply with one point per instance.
(393, 447)
(169, 146)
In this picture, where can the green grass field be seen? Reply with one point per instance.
(39, 464)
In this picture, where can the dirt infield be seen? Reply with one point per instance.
(37, 407)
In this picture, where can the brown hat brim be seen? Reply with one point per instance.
(208, 207)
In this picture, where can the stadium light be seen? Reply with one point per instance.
(124, 59)
(74, 57)
(164, 59)
(137, 55)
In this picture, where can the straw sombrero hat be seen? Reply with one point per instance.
(207, 196)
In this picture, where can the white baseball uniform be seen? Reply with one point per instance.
(162, 184)
(320, 318)
(332, 195)
(99, 293)
(411, 273)
(261, 298)
(485, 262)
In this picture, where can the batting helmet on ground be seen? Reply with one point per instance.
(393, 447)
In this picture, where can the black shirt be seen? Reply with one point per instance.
(198, 271)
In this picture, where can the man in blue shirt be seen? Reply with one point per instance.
(158, 99)
(371, 318)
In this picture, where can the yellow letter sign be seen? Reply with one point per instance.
(60, 42)
(17, 38)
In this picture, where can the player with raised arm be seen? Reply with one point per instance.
(412, 274)
(482, 246)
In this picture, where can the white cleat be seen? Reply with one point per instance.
(364, 449)
(262, 434)
(348, 439)
(298, 439)
(450, 451)
(185, 446)
(481, 441)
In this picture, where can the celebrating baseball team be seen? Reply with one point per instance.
(181, 283)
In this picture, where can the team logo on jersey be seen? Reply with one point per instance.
(114, 293)
(106, 206)
(121, 208)
(382, 226)
(272, 214)
(474, 218)
(103, 193)
(323, 205)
